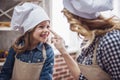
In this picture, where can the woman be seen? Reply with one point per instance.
(30, 57)
(100, 50)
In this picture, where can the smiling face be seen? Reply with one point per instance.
(41, 32)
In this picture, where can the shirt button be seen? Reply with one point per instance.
(31, 52)
(51, 63)
(29, 61)
(38, 60)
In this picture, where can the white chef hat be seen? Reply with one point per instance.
(27, 16)
(89, 9)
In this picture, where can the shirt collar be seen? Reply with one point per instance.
(40, 46)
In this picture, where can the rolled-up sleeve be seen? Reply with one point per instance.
(7, 68)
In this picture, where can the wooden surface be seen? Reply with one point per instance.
(6, 9)
(4, 24)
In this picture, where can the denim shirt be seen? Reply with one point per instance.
(30, 56)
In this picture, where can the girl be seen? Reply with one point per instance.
(30, 57)
(100, 52)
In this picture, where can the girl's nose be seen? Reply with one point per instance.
(46, 30)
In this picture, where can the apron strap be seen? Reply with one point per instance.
(44, 54)
(94, 53)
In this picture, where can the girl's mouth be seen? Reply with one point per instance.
(44, 35)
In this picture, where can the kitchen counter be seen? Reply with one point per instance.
(1, 64)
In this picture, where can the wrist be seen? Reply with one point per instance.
(64, 51)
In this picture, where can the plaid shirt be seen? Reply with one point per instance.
(108, 54)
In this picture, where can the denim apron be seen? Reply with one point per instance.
(27, 71)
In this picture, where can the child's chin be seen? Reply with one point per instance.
(44, 41)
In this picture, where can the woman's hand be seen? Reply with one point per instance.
(58, 42)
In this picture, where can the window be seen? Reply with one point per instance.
(61, 26)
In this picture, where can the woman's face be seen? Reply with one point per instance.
(41, 32)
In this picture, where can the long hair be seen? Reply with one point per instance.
(89, 28)
(23, 43)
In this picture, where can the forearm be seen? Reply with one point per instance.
(73, 66)
(60, 46)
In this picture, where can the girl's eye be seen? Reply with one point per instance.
(48, 26)
(41, 27)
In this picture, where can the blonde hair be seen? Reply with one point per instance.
(89, 28)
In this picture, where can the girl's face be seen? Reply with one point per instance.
(41, 32)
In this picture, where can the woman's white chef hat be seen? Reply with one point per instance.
(89, 9)
(27, 16)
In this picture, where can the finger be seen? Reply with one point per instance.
(54, 33)
(54, 41)
(55, 37)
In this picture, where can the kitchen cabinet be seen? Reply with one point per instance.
(7, 6)
(6, 10)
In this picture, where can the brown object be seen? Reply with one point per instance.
(94, 72)
(2, 59)
(4, 24)
(27, 71)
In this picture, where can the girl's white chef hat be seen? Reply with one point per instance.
(27, 16)
(89, 9)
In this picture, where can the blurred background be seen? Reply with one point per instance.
(58, 24)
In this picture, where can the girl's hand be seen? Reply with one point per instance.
(58, 42)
